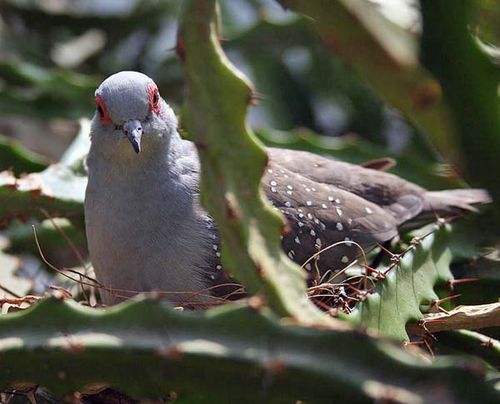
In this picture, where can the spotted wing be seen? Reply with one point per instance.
(400, 198)
(324, 217)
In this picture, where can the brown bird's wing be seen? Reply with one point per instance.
(320, 215)
(400, 198)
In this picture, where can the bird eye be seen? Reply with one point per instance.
(101, 110)
(154, 98)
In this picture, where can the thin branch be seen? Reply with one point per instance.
(463, 317)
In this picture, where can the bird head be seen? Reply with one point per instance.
(129, 105)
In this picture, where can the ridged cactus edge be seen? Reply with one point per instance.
(232, 163)
(408, 288)
(148, 349)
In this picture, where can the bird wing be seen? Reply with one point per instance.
(321, 215)
(400, 198)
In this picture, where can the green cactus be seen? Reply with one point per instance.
(232, 165)
(231, 353)
(471, 91)
(57, 89)
(472, 343)
(408, 287)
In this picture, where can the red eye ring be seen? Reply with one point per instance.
(154, 98)
(102, 111)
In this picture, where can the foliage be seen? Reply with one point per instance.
(476, 108)
(200, 356)
(57, 191)
(17, 159)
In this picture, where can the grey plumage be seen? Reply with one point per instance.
(146, 228)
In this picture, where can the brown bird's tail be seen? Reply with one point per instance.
(455, 200)
(442, 204)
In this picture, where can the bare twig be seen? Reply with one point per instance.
(463, 317)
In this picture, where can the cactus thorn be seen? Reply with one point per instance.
(437, 303)
(453, 282)
(256, 302)
(371, 270)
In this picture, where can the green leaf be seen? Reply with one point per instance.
(19, 160)
(58, 191)
(52, 92)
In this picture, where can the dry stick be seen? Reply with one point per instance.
(42, 256)
(10, 292)
(65, 236)
(203, 293)
(314, 256)
(86, 297)
(25, 299)
(439, 222)
(463, 317)
(72, 246)
(335, 245)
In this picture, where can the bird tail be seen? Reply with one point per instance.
(455, 200)
(442, 204)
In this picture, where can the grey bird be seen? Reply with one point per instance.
(147, 230)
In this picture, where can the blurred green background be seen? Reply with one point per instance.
(53, 53)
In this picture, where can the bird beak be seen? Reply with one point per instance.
(133, 130)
